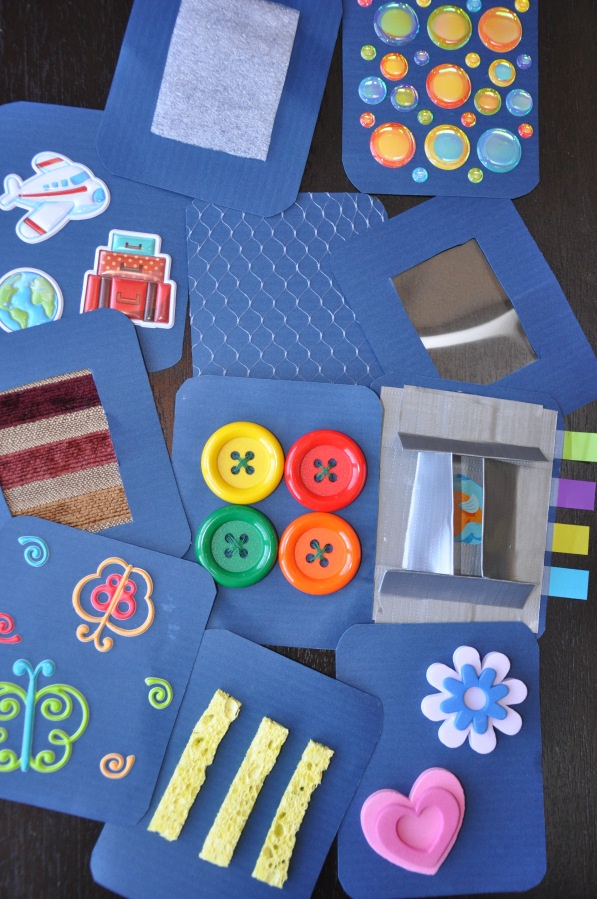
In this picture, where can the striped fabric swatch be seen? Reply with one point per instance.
(57, 459)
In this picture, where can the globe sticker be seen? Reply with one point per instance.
(28, 297)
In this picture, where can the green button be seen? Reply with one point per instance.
(237, 544)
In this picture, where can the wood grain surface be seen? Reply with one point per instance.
(64, 52)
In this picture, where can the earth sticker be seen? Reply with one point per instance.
(28, 297)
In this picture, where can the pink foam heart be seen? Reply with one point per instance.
(417, 831)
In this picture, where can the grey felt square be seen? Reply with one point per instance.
(224, 75)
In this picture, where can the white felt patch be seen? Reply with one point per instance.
(224, 75)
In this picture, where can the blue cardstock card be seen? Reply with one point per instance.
(264, 187)
(136, 863)
(565, 366)
(427, 115)
(63, 133)
(94, 407)
(501, 845)
(97, 642)
(272, 611)
(264, 303)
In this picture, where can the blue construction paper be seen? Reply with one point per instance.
(121, 718)
(136, 863)
(369, 175)
(30, 128)
(106, 343)
(273, 611)
(264, 302)
(566, 367)
(501, 846)
(570, 583)
(128, 147)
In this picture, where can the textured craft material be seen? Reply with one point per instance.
(501, 845)
(57, 459)
(264, 302)
(238, 53)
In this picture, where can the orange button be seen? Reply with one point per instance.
(319, 553)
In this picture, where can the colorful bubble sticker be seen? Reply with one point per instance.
(420, 175)
(372, 90)
(449, 27)
(60, 190)
(448, 86)
(28, 297)
(499, 150)
(447, 147)
(501, 72)
(500, 29)
(487, 101)
(393, 66)
(519, 102)
(392, 145)
(396, 23)
(442, 64)
(404, 98)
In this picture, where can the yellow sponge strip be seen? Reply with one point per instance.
(276, 852)
(189, 775)
(228, 825)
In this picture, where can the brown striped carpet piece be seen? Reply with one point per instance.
(57, 459)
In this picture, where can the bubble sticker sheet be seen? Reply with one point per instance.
(97, 642)
(264, 303)
(441, 99)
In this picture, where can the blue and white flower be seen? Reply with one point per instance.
(474, 699)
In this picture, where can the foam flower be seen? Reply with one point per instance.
(474, 699)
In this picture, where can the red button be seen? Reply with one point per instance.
(325, 470)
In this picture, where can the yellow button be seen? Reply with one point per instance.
(242, 462)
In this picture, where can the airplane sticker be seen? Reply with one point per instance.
(60, 190)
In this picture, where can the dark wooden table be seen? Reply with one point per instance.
(64, 52)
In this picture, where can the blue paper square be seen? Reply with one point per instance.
(263, 299)
(31, 128)
(565, 368)
(128, 147)
(501, 845)
(365, 74)
(136, 863)
(106, 344)
(272, 610)
(49, 614)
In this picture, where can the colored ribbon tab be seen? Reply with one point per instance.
(574, 494)
(570, 538)
(569, 583)
(580, 446)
